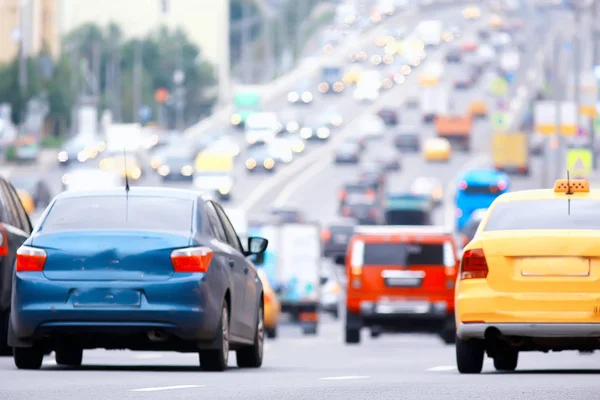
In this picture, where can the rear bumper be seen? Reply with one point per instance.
(182, 307)
(535, 330)
(427, 322)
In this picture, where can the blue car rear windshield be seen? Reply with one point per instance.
(545, 214)
(120, 213)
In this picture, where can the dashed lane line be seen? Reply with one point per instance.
(343, 378)
(163, 388)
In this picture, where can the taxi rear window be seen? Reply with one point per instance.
(403, 254)
(545, 214)
(492, 189)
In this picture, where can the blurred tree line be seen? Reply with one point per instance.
(99, 62)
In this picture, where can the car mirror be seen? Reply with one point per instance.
(340, 260)
(257, 245)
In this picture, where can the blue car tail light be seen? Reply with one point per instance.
(191, 259)
(30, 259)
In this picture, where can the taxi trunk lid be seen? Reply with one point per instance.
(109, 255)
(551, 262)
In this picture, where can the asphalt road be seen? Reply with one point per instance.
(298, 367)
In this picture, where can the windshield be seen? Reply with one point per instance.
(119, 213)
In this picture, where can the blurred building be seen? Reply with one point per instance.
(39, 19)
(205, 22)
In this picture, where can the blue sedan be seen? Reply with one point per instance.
(141, 269)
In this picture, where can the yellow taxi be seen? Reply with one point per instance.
(428, 80)
(478, 109)
(471, 12)
(126, 166)
(529, 280)
(437, 149)
(26, 200)
(352, 75)
(272, 306)
(496, 22)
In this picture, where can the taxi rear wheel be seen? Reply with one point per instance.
(506, 360)
(469, 355)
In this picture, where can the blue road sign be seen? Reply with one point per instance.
(597, 71)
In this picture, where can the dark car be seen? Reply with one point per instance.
(358, 186)
(260, 158)
(15, 228)
(372, 173)
(335, 237)
(144, 269)
(388, 160)
(464, 78)
(389, 116)
(408, 209)
(408, 138)
(290, 121)
(363, 208)
(287, 214)
(358, 138)
(36, 187)
(79, 149)
(177, 164)
(454, 55)
(348, 153)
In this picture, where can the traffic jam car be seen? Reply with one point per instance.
(401, 279)
(139, 269)
(528, 280)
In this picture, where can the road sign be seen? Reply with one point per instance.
(579, 162)
(145, 113)
(545, 118)
(161, 95)
(597, 71)
(499, 86)
(500, 121)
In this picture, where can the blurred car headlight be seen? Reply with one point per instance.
(269, 163)
(63, 156)
(388, 59)
(405, 69)
(82, 156)
(387, 84)
(251, 139)
(235, 151)
(323, 87)
(337, 120)
(338, 87)
(288, 157)
(101, 146)
(136, 173)
(399, 78)
(361, 56)
(65, 179)
(224, 190)
(293, 97)
(292, 126)
(307, 97)
(298, 147)
(323, 133)
(306, 133)
(236, 119)
(107, 163)
(155, 163)
(164, 170)
(187, 170)
(376, 59)
(250, 163)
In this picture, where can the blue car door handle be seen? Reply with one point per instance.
(231, 262)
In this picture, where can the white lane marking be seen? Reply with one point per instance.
(442, 368)
(343, 378)
(147, 356)
(159, 389)
(49, 362)
(297, 183)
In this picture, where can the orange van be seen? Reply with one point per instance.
(401, 279)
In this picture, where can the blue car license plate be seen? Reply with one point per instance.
(107, 298)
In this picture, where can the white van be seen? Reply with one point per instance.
(261, 127)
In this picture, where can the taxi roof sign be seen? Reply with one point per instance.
(570, 186)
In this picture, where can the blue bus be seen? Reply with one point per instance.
(477, 189)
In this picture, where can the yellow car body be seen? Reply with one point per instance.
(437, 149)
(530, 277)
(26, 200)
(272, 305)
(478, 109)
(471, 12)
(496, 22)
(129, 167)
(352, 76)
(426, 80)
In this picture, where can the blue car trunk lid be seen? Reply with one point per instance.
(110, 255)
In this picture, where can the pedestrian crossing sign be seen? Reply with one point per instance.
(500, 121)
(579, 163)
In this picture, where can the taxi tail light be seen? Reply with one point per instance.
(30, 259)
(325, 235)
(343, 195)
(370, 194)
(502, 185)
(267, 298)
(473, 265)
(191, 259)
